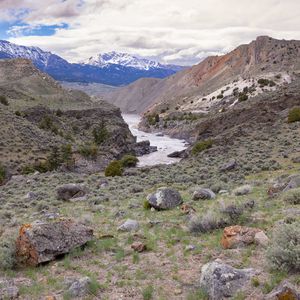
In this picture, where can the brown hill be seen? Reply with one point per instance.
(264, 56)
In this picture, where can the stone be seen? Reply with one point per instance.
(293, 182)
(178, 154)
(31, 196)
(285, 291)
(243, 190)
(129, 225)
(202, 194)
(8, 290)
(231, 165)
(42, 242)
(223, 281)
(78, 287)
(296, 160)
(165, 198)
(139, 247)
(239, 236)
(261, 239)
(71, 191)
(144, 147)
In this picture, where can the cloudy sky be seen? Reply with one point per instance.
(171, 31)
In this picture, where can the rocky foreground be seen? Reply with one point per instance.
(223, 223)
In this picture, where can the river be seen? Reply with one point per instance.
(165, 144)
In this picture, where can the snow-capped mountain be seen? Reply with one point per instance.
(124, 59)
(111, 68)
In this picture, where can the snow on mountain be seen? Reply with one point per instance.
(124, 59)
(35, 54)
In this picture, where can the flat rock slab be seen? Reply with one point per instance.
(42, 242)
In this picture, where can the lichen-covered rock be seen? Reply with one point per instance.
(285, 291)
(164, 198)
(71, 191)
(231, 165)
(223, 281)
(8, 290)
(41, 242)
(243, 190)
(78, 287)
(240, 236)
(201, 194)
(129, 225)
(293, 182)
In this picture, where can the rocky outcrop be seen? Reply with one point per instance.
(42, 242)
(223, 281)
(285, 291)
(240, 236)
(164, 198)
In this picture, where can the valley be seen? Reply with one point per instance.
(89, 209)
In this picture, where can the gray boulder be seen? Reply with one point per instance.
(129, 225)
(222, 281)
(78, 287)
(41, 242)
(8, 290)
(231, 165)
(164, 198)
(293, 182)
(71, 191)
(202, 194)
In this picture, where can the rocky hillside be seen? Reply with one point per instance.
(200, 87)
(44, 126)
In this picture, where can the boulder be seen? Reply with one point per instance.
(8, 290)
(129, 225)
(285, 291)
(42, 242)
(178, 154)
(223, 281)
(231, 165)
(243, 190)
(240, 236)
(296, 160)
(78, 287)
(143, 147)
(202, 194)
(293, 182)
(71, 191)
(164, 198)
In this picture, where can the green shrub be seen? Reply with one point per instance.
(17, 113)
(59, 113)
(292, 196)
(294, 115)
(243, 97)
(153, 119)
(283, 252)
(129, 161)
(2, 174)
(3, 100)
(201, 146)
(220, 96)
(148, 293)
(100, 134)
(7, 251)
(27, 169)
(47, 124)
(114, 169)
(89, 151)
(67, 155)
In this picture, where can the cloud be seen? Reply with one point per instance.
(173, 31)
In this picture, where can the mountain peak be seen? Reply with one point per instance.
(124, 59)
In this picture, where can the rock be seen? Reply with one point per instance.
(202, 194)
(187, 209)
(223, 281)
(78, 287)
(31, 196)
(243, 190)
(190, 248)
(143, 147)
(293, 182)
(8, 290)
(223, 192)
(231, 165)
(178, 154)
(164, 198)
(296, 160)
(139, 247)
(129, 225)
(71, 191)
(285, 291)
(41, 242)
(240, 236)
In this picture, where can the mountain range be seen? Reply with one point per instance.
(111, 68)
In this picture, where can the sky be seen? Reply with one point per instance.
(170, 31)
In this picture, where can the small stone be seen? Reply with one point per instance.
(261, 239)
(177, 292)
(129, 225)
(139, 247)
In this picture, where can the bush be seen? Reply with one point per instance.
(2, 174)
(220, 96)
(129, 161)
(114, 169)
(3, 100)
(243, 97)
(153, 119)
(7, 251)
(89, 151)
(284, 250)
(292, 196)
(201, 146)
(100, 134)
(47, 124)
(294, 115)
(17, 113)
